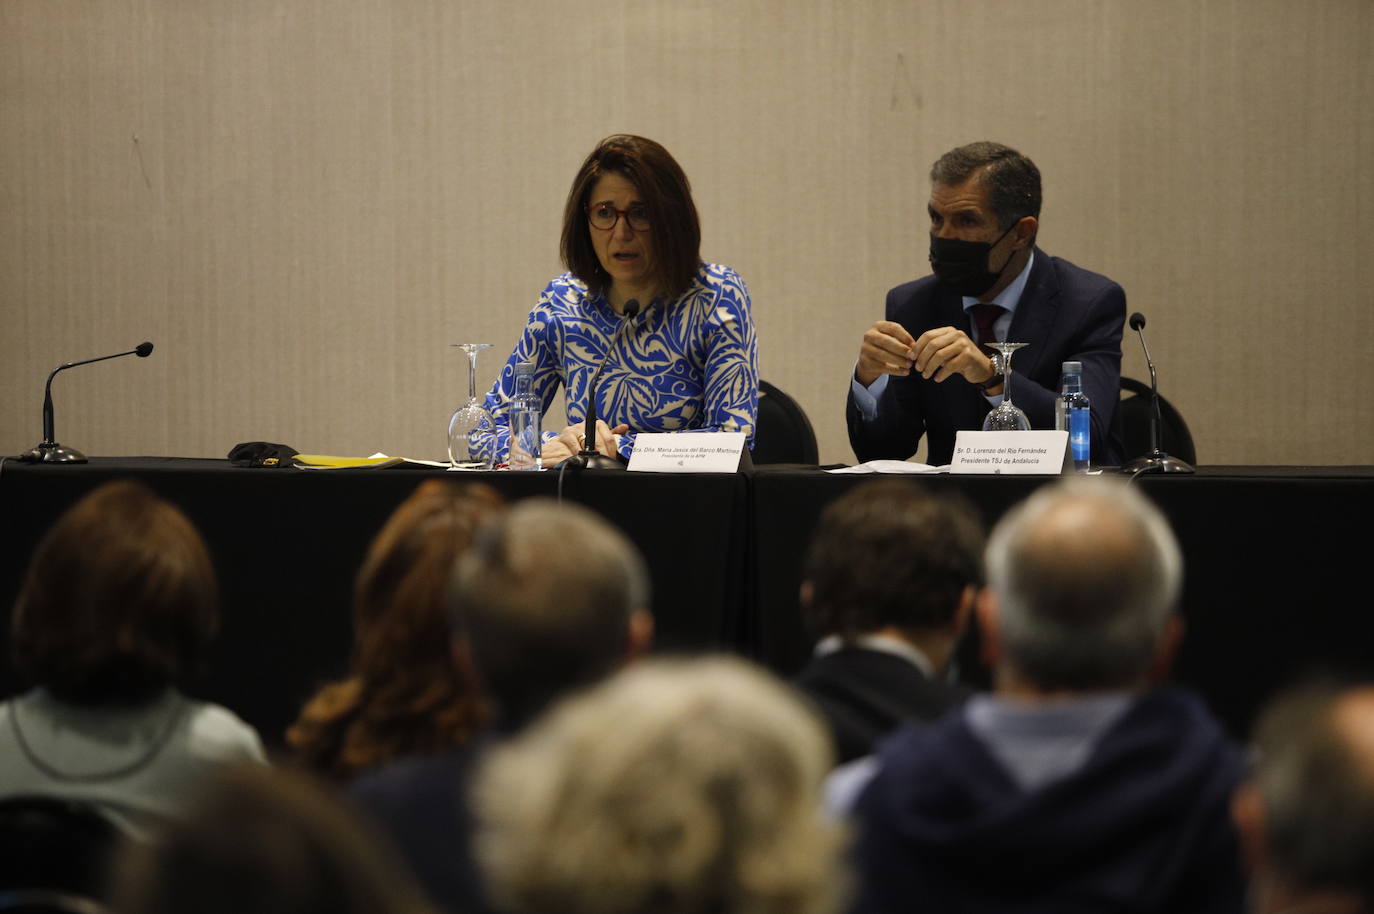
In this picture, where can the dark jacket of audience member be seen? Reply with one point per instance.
(405, 695)
(114, 617)
(1079, 784)
(1140, 827)
(888, 588)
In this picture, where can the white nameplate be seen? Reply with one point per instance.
(1031, 453)
(687, 452)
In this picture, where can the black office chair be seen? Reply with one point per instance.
(1133, 416)
(59, 846)
(783, 434)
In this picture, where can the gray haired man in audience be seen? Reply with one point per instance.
(550, 599)
(1080, 783)
(1306, 816)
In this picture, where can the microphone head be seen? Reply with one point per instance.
(631, 309)
(144, 350)
(1137, 321)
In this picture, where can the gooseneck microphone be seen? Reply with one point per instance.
(48, 450)
(1156, 461)
(588, 457)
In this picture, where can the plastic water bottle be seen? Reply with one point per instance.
(526, 414)
(1072, 415)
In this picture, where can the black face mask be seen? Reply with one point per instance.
(963, 265)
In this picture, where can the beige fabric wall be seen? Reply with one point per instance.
(303, 202)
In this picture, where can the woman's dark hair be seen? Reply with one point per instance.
(120, 600)
(667, 196)
(405, 695)
(270, 841)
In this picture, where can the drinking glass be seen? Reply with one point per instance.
(1005, 417)
(470, 429)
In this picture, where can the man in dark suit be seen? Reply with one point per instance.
(926, 368)
(890, 581)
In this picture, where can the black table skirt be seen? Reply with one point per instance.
(288, 542)
(1269, 552)
(1271, 556)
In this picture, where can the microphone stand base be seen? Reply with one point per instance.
(602, 462)
(586, 461)
(49, 452)
(1158, 462)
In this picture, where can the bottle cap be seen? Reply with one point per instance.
(1073, 368)
(524, 368)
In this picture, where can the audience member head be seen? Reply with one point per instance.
(1085, 576)
(120, 600)
(551, 598)
(270, 842)
(1012, 180)
(677, 787)
(891, 555)
(406, 694)
(1306, 817)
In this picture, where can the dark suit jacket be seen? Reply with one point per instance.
(1065, 313)
(865, 694)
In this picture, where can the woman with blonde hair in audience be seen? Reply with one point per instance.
(405, 695)
(678, 787)
(114, 617)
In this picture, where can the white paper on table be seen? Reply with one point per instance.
(892, 466)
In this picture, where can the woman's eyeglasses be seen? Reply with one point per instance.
(604, 216)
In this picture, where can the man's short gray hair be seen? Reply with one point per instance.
(1086, 573)
(1317, 789)
(544, 598)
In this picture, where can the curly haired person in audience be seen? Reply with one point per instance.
(113, 618)
(677, 787)
(405, 695)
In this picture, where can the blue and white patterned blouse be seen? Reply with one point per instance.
(691, 364)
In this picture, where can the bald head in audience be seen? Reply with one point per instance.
(1084, 578)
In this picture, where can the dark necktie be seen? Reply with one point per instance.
(984, 316)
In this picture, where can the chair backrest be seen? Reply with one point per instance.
(783, 434)
(1133, 414)
(54, 844)
(45, 901)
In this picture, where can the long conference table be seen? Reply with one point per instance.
(1274, 563)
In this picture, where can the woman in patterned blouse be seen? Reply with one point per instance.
(688, 361)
